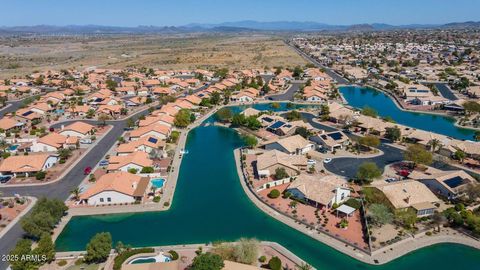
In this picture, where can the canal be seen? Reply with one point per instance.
(210, 205)
(360, 97)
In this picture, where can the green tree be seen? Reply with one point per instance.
(369, 141)
(417, 154)
(207, 261)
(98, 249)
(215, 98)
(274, 193)
(393, 133)
(280, 173)
(22, 248)
(434, 145)
(275, 263)
(43, 218)
(253, 123)
(324, 112)
(368, 171)
(75, 193)
(111, 84)
(103, 117)
(45, 247)
(303, 131)
(293, 115)
(379, 214)
(224, 114)
(460, 155)
(250, 141)
(182, 118)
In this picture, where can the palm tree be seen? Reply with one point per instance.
(76, 193)
(434, 144)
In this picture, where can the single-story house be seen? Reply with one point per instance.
(269, 161)
(293, 145)
(117, 187)
(27, 165)
(78, 129)
(157, 130)
(145, 144)
(324, 191)
(135, 160)
(331, 140)
(410, 194)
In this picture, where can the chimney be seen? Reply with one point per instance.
(407, 200)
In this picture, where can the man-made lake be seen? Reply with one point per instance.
(210, 205)
(360, 97)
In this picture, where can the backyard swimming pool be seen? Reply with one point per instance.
(157, 182)
(153, 259)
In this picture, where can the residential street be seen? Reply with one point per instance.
(288, 95)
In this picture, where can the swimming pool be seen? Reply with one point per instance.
(157, 182)
(153, 259)
(13, 147)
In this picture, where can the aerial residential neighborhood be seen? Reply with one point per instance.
(212, 136)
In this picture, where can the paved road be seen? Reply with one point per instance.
(61, 189)
(446, 91)
(337, 77)
(288, 95)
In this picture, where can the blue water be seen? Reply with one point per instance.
(13, 147)
(157, 182)
(360, 97)
(284, 106)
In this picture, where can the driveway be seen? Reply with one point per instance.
(288, 95)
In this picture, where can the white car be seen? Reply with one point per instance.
(327, 160)
(311, 162)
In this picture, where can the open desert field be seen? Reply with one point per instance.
(21, 56)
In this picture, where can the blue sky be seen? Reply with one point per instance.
(180, 12)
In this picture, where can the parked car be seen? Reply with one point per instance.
(103, 163)
(87, 170)
(311, 162)
(327, 160)
(5, 178)
(86, 141)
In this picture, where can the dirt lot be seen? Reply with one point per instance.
(20, 56)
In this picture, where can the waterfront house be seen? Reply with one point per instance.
(270, 161)
(27, 165)
(78, 129)
(320, 191)
(408, 194)
(115, 188)
(447, 184)
(293, 145)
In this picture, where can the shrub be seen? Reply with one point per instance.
(354, 203)
(274, 193)
(132, 170)
(156, 199)
(62, 263)
(275, 263)
(122, 257)
(174, 254)
(262, 259)
(147, 170)
(166, 204)
(79, 261)
(40, 175)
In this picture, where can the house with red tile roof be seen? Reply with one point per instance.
(163, 119)
(157, 130)
(145, 144)
(27, 165)
(117, 187)
(78, 129)
(136, 160)
(52, 142)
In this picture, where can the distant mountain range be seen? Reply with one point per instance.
(240, 26)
